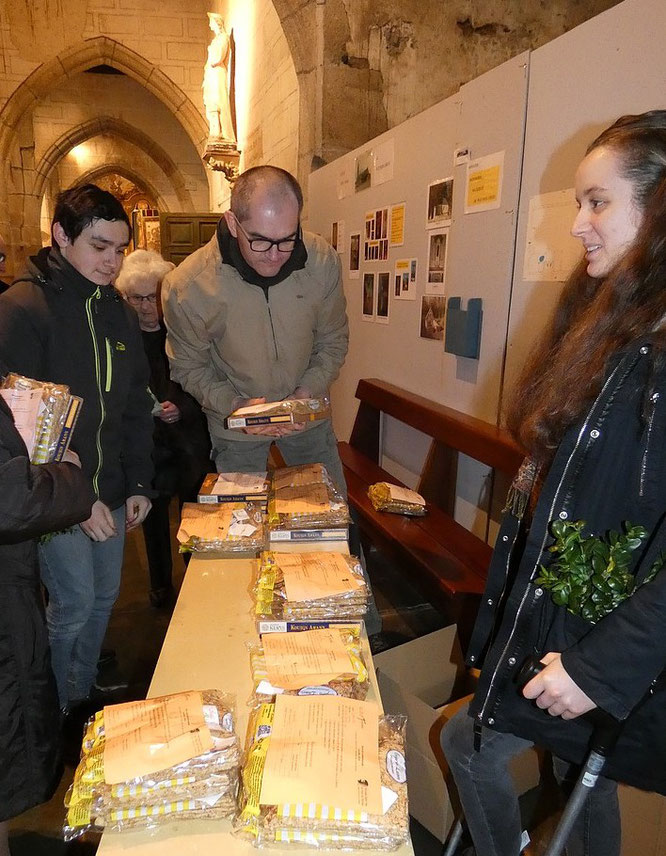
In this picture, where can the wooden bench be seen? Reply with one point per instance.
(448, 562)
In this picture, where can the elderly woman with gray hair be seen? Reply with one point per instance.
(182, 443)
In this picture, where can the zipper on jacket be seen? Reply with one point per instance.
(654, 398)
(109, 365)
(270, 318)
(98, 378)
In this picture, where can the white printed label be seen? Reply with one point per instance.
(395, 766)
(320, 690)
(211, 715)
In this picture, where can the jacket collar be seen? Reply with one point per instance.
(232, 256)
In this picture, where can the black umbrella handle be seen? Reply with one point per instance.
(606, 727)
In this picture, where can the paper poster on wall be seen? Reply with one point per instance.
(383, 297)
(368, 297)
(483, 191)
(433, 310)
(551, 253)
(384, 157)
(338, 236)
(344, 180)
(354, 255)
(440, 203)
(437, 248)
(363, 170)
(397, 229)
(404, 279)
(376, 235)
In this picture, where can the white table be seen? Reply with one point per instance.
(205, 648)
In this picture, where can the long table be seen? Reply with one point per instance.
(206, 648)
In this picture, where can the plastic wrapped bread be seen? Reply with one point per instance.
(396, 499)
(234, 527)
(291, 410)
(319, 826)
(353, 683)
(204, 786)
(304, 497)
(270, 592)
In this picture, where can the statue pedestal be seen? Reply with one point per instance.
(222, 156)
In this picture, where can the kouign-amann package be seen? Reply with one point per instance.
(272, 602)
(396, 499)
(304, 497)
(234, 527)
(203, 786)
(291, 410)
(352, 683)
(323, 826)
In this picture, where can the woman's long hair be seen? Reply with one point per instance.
(598, 317)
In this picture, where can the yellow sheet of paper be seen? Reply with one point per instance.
(145, 736)
(308, 658)
(209, 522)
(310, 576)
(304, 499)
(323, 750)
(302, 475)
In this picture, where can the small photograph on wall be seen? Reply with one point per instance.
(440, 203)
(354, 255)
(437, 248)
(413, 265)
(383, 298)
(368, 307)
(334, 235)
(433, 309)
(376, 244)
(404, 287)
(363, 175)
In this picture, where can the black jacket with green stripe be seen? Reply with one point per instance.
(56, 325)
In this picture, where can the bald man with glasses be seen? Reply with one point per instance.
(259, 314)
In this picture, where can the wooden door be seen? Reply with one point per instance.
(182, 234)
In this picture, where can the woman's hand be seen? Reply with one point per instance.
(170, 412)
(554, 691)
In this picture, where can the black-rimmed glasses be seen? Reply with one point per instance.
(137, 299)
(263, 245)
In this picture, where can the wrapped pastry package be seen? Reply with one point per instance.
(327, 586)
(291, 410)
(349, 679)
(304, 497)
(232, 527)
(45, 415)
(201, 786)
(326, 826)
(396, 499)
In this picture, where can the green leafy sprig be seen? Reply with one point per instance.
(590, 574)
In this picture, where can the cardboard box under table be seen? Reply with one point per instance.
(206, 646)
(419, 679)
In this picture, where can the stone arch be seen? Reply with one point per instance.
(100, 50)
(127, 132)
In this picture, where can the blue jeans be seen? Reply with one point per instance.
(83, 579)
(490, 802)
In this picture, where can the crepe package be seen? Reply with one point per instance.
(326, 827)
(352, 682)
(396, 499)
(202, 786)
(290, 411)
(45, 415)
(233, 527)
(348, 603)
(304, 497)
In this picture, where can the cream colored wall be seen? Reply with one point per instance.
(267, 106)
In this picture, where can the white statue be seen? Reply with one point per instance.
(215, 82)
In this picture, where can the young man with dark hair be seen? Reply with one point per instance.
(64, 321)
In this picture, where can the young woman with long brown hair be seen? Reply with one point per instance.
(591, 411)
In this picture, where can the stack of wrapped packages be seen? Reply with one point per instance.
(322, 661)
(147, 763)
(231, 528)
(310, 587)
(304, 498)
(324, 772)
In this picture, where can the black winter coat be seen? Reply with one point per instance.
(608, 470)
(58, 326)
(33, 500)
